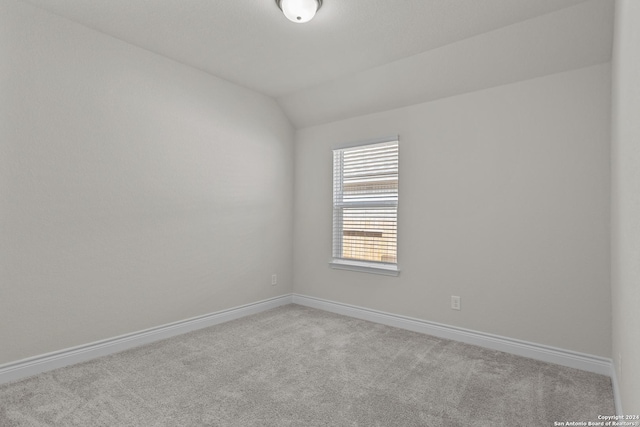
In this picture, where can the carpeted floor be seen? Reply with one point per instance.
(297, 366)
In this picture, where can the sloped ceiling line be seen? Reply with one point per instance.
(359, 56)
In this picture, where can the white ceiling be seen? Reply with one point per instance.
(359, 56)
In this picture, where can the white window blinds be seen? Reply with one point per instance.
(365, 203)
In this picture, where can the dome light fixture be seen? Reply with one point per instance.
(299, 11)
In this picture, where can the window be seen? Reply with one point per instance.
(365, 207)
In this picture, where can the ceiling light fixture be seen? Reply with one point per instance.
(299, 11)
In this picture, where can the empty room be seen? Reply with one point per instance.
(319, 213)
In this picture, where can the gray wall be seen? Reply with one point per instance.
(504, 201)
(625, 242)
(134, 191)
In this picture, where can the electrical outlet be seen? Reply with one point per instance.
(455, 302)
(274, 279)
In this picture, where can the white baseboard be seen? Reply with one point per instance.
(585, 362)
(617, 401)
(46, 362)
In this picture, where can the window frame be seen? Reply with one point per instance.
(383, 268)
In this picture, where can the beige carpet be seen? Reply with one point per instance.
(297, 366)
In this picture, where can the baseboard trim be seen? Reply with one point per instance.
(585, 362)
(34, 365)
(31, 366)
(617, 401)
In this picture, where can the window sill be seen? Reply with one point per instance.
(365, 267)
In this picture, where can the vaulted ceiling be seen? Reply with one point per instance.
(359, 56)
